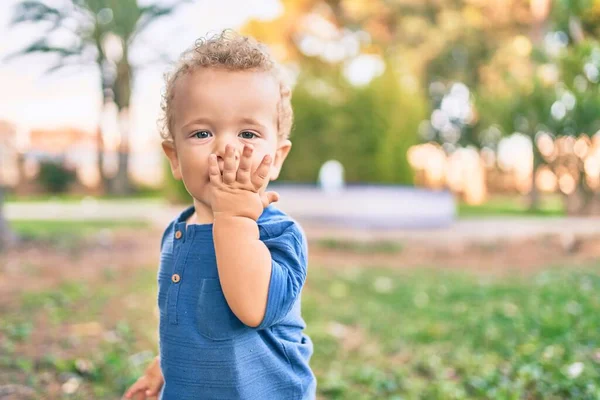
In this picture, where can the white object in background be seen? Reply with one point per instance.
(331, 176)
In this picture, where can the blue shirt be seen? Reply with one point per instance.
(206, 352)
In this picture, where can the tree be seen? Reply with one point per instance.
(5, 234)
(102, 32)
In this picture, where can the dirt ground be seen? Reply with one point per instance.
(37, 266)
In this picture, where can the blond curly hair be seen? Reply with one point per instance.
(234, 52)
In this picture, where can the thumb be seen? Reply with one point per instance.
(271, 197)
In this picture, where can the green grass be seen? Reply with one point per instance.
(436, 335)
(379, 333)
(516, 206)
(119, 354)
(54, 229)
(148, 193)
(352, 246)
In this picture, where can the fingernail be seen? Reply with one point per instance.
(268, 159)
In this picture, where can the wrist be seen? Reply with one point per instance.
(234, 216)
(228, 218)
(231, 227)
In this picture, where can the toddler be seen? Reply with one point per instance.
(232, 266)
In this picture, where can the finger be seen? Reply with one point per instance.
(133, 389)
(137, 387)
(213, 169)
(154, 388)
(243, 173)
(229, 167)
(262, 172)
(271, 197)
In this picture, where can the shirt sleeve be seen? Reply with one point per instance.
(165, 237)
(288, 273)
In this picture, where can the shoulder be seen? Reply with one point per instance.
(166, 241)
(166, 237)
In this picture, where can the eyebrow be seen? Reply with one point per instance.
(252, 121)
(202, 120)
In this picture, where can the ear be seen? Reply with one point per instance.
(171, 153)
(283, 149)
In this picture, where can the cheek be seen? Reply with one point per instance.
(194, 171)
(194, 161)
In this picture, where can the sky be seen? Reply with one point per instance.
(33, 99)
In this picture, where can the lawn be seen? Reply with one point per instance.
(58, 229)
(515, 206)
(146, 193)
(378, 334)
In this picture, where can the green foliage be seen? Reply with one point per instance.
(584, 117)
(175, 190)
(89, 21)
(368, 129)
(55, 177)
(584, 12)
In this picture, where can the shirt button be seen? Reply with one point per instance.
(178, 235)
(175, 278)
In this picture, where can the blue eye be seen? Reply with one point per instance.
(202, 134)
(248, 135)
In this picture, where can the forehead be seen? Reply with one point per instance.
(224, 94)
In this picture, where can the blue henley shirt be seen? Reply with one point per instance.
(206, 352)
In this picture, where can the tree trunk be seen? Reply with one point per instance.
(121, 184)
(21, 175)
(5, 234)
(583, 201)
(103, 181)
(534, 194)
(122, 90)
(536, 34)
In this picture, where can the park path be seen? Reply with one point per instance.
(469, 230)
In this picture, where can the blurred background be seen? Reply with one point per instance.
(445, 167)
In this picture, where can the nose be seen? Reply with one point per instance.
(221, 149)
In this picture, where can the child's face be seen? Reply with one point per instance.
(213, 108)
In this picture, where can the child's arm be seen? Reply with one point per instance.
(243, 261)
(244, 264)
